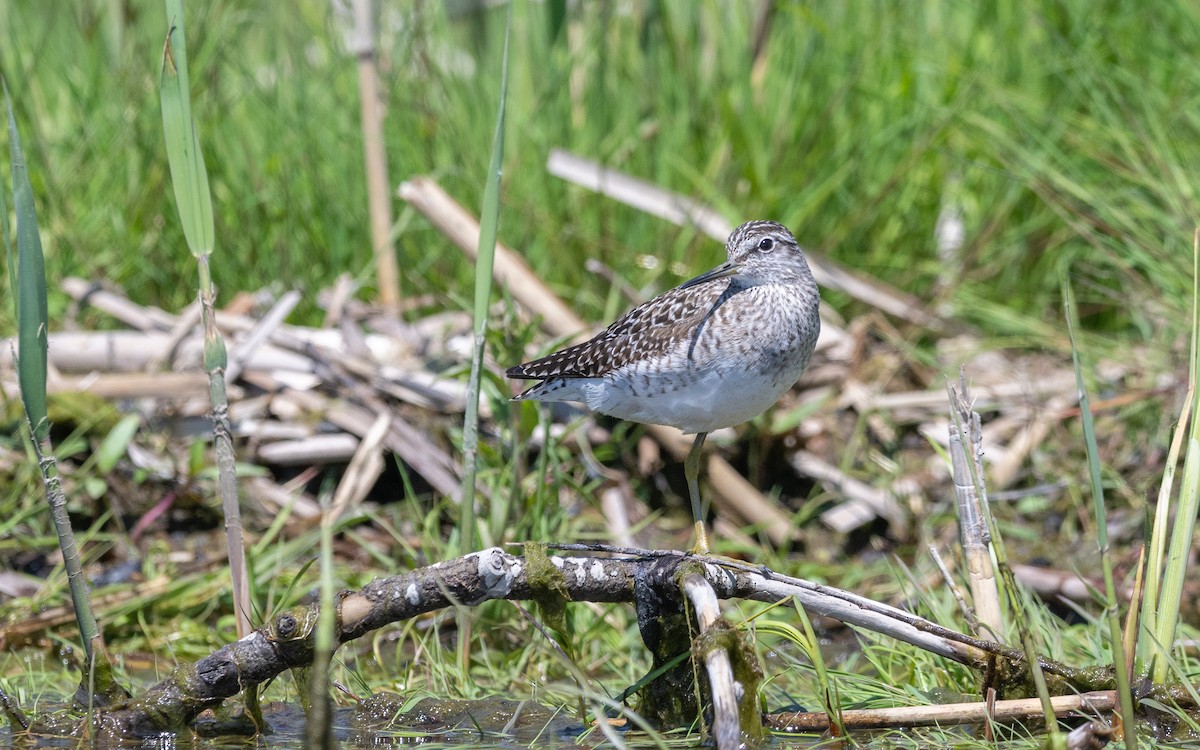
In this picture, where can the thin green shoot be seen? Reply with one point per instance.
(318, 702)
(489, 221)
(1160, 531)
(33, 318)
(33, 322)
(189, 178)
(829, 698)
(1179, 549)
(1111, 610)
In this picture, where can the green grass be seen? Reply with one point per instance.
(1065, 134)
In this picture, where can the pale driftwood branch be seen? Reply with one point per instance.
(123, 309)
(1085, 704)
(154, 319)
(120, 386)
(1029, 438)
(509, 269)
(368, 357)
(132, 351)
(336, 300)
(726, 729)
(640, 194)
(268, 367)
(864, 504)
(612, 504)
(363, 471)
(416, 387)
(853, 609)
(684, 211)
(987, 397)
(315, 449)
(296, 502)
(259, 430)
(113, 352)
(1051, 584)
(733, 493)
(261, 331)
(431, 462)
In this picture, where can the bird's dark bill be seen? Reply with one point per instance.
(722, 271)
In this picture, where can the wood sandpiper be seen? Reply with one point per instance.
(711, 353)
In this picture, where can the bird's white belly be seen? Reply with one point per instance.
(693, 402)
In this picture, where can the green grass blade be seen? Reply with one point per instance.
(489, 222)
(1151, 651)
(190, 183)
(317, 701)
(32, 322)
(10, 255)
(1178, 552)
(1160, 530)
(32, 314)
(812, 646)
(116, 443)
(1111, 612)
(189, 178)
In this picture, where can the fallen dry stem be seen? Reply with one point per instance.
(1091, 703)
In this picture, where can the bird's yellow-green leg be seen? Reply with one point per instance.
(691, 469)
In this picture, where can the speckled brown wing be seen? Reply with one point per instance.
(645, 332)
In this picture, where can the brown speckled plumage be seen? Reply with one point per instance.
(711, 353)
(749, 326)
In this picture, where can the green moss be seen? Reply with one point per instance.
(1014, 680)
(747, 671)
(549, 590)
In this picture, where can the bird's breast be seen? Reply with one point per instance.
(735, 364)
(768, 328)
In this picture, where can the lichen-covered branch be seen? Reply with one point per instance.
(288, 640)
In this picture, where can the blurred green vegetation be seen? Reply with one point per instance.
(1063, 132)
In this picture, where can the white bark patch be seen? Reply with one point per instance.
(494, 574)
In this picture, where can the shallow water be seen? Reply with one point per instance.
(380, 721)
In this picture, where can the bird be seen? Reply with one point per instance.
(713, 352)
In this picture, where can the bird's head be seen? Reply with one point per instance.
(760, 252)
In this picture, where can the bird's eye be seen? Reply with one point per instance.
(765, 244)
